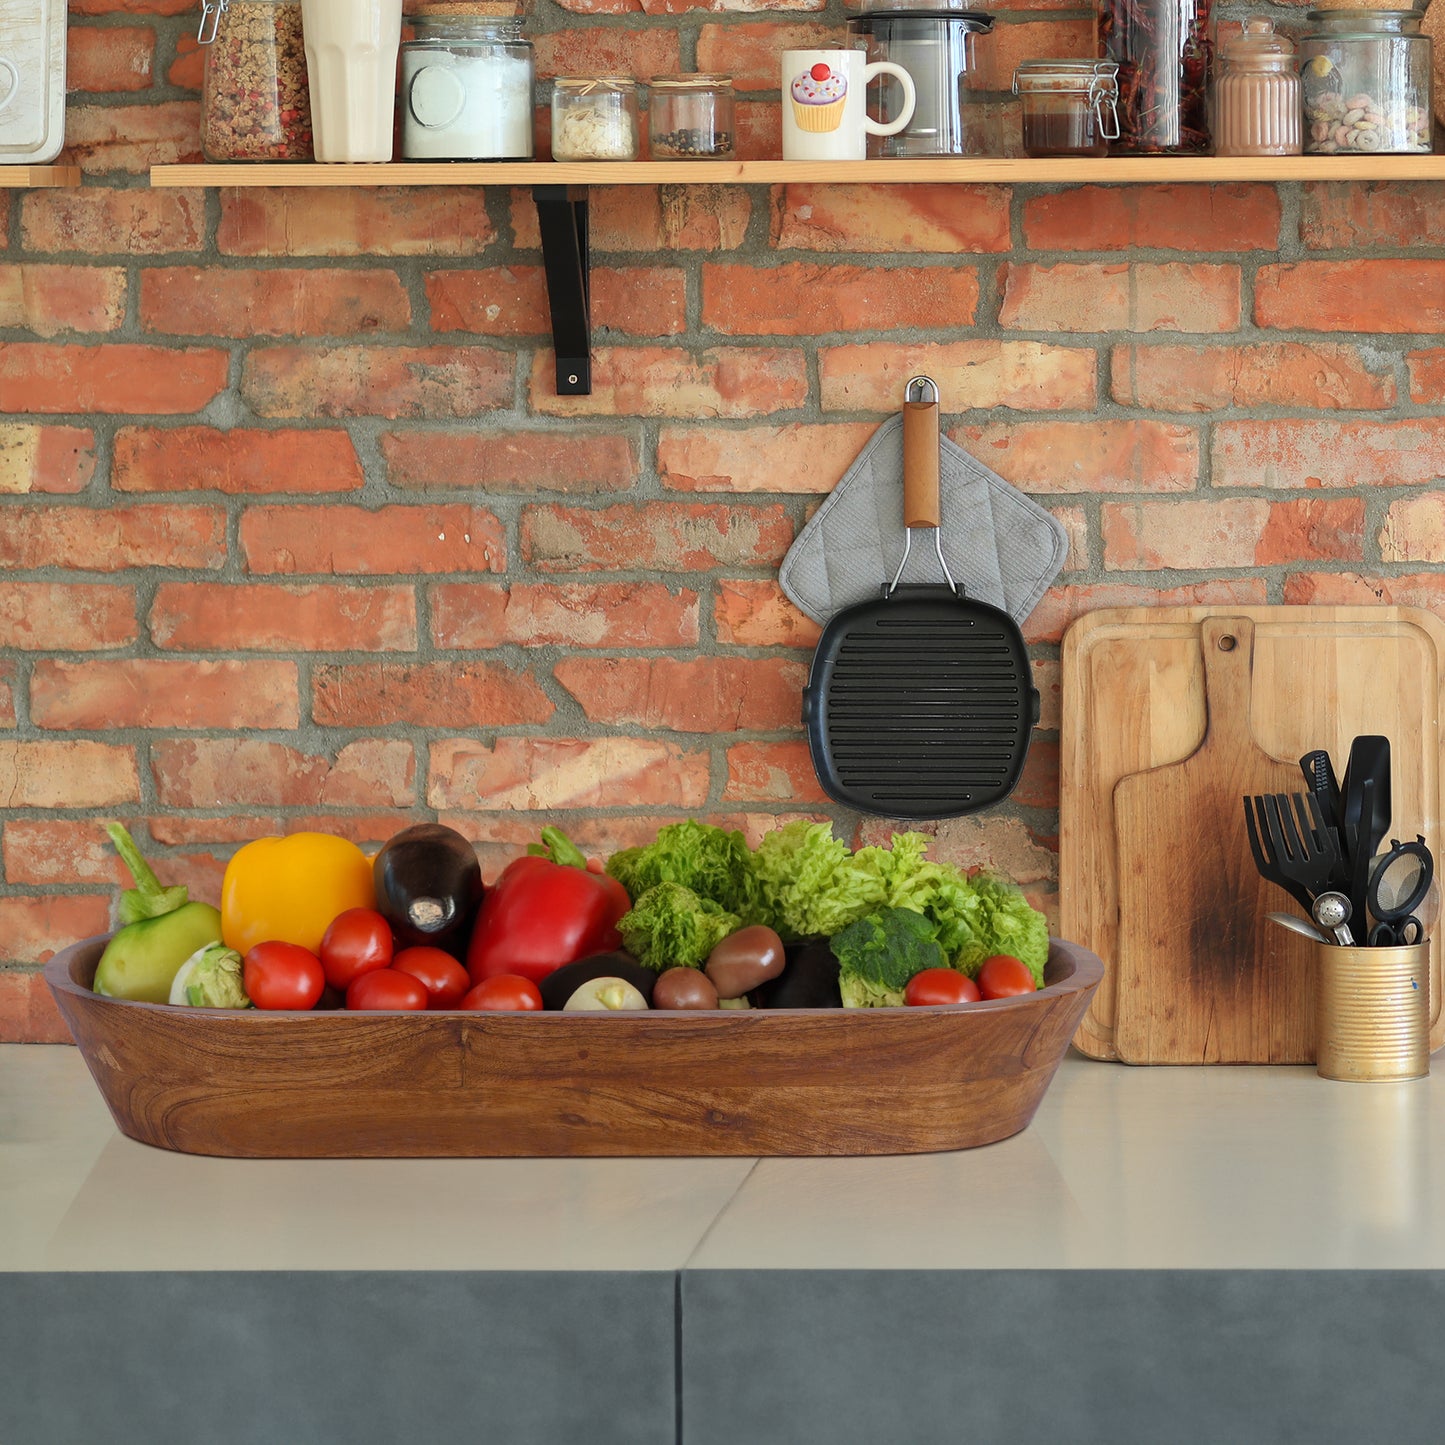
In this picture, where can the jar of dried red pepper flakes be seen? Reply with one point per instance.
(255, 103)
(1164, 50)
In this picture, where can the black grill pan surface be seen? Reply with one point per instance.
(920, 704)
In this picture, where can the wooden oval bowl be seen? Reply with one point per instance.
(253, 1084)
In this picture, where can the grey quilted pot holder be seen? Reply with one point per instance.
(1002, 547)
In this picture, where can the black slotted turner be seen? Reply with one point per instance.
(920, 703)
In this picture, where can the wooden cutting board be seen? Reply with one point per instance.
(1203, 978)
(1134, 699)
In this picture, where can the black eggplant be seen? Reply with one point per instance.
(809, 979)
(562, 983)
(429, 887)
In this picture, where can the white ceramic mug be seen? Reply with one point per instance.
(825, 117)
(351, 49)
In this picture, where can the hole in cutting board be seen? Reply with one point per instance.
(1228, 644)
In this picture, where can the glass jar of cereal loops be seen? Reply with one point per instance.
(255, 104)
(1366, 81)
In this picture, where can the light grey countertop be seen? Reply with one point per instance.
(1122, 1168)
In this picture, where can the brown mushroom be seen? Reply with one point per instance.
(684, 988)
(745, 959)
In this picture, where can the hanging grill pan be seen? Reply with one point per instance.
(920, 704)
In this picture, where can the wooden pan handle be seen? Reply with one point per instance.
(920, 463)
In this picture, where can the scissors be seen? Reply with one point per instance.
(1398, 886)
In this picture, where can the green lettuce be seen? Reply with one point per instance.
(1006, 923)
(714, 863)
(810, 883)
(670, 926)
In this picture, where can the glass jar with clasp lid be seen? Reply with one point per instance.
(1068, 107)
(1366, 81)
(255, 97)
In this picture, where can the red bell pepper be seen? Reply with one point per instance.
(545, 910)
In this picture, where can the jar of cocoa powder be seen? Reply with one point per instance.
(255, 103)
(1257, 95)
(1068, 107)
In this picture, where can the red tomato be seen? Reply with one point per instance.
(282, 975)
(445, 979)
(504, 991)
(938, 986)
(357, 941)
(386, 988)
(1004, 976)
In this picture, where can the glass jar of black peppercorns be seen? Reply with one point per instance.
(690, 117)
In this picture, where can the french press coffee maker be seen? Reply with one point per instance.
(938, 48)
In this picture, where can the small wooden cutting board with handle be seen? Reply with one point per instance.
(1203, 977)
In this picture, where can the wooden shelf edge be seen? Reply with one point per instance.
(983, 170)
(15, 178)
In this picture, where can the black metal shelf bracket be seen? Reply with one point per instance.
(562, 220)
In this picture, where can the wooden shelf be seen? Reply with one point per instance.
(18, 178)
(650, 173)
(562, 215)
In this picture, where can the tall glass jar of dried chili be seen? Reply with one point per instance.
(1164, 50)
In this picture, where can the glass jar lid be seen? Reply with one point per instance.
(212, 14)
(1089, 77)
(854, 7)
(595, 84)
(1258, 47)
(434, 10)
(699, 81)
(441, 30)
(1368, 22)
(882, 22)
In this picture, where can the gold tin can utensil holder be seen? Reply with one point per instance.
(1372, 1012)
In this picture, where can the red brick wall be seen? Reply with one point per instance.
(294, 532)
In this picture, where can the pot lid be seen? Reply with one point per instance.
(954, 7)
(1259, 44)
(969, 19)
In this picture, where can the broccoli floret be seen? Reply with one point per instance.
(877, 956)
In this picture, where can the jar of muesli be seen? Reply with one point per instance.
(255, 104)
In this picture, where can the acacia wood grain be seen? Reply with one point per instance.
(360, 1085)
(1203, 977)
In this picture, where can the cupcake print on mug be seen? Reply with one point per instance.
(824, 115)
(818, 97)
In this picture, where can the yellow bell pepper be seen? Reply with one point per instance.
(289, 889)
